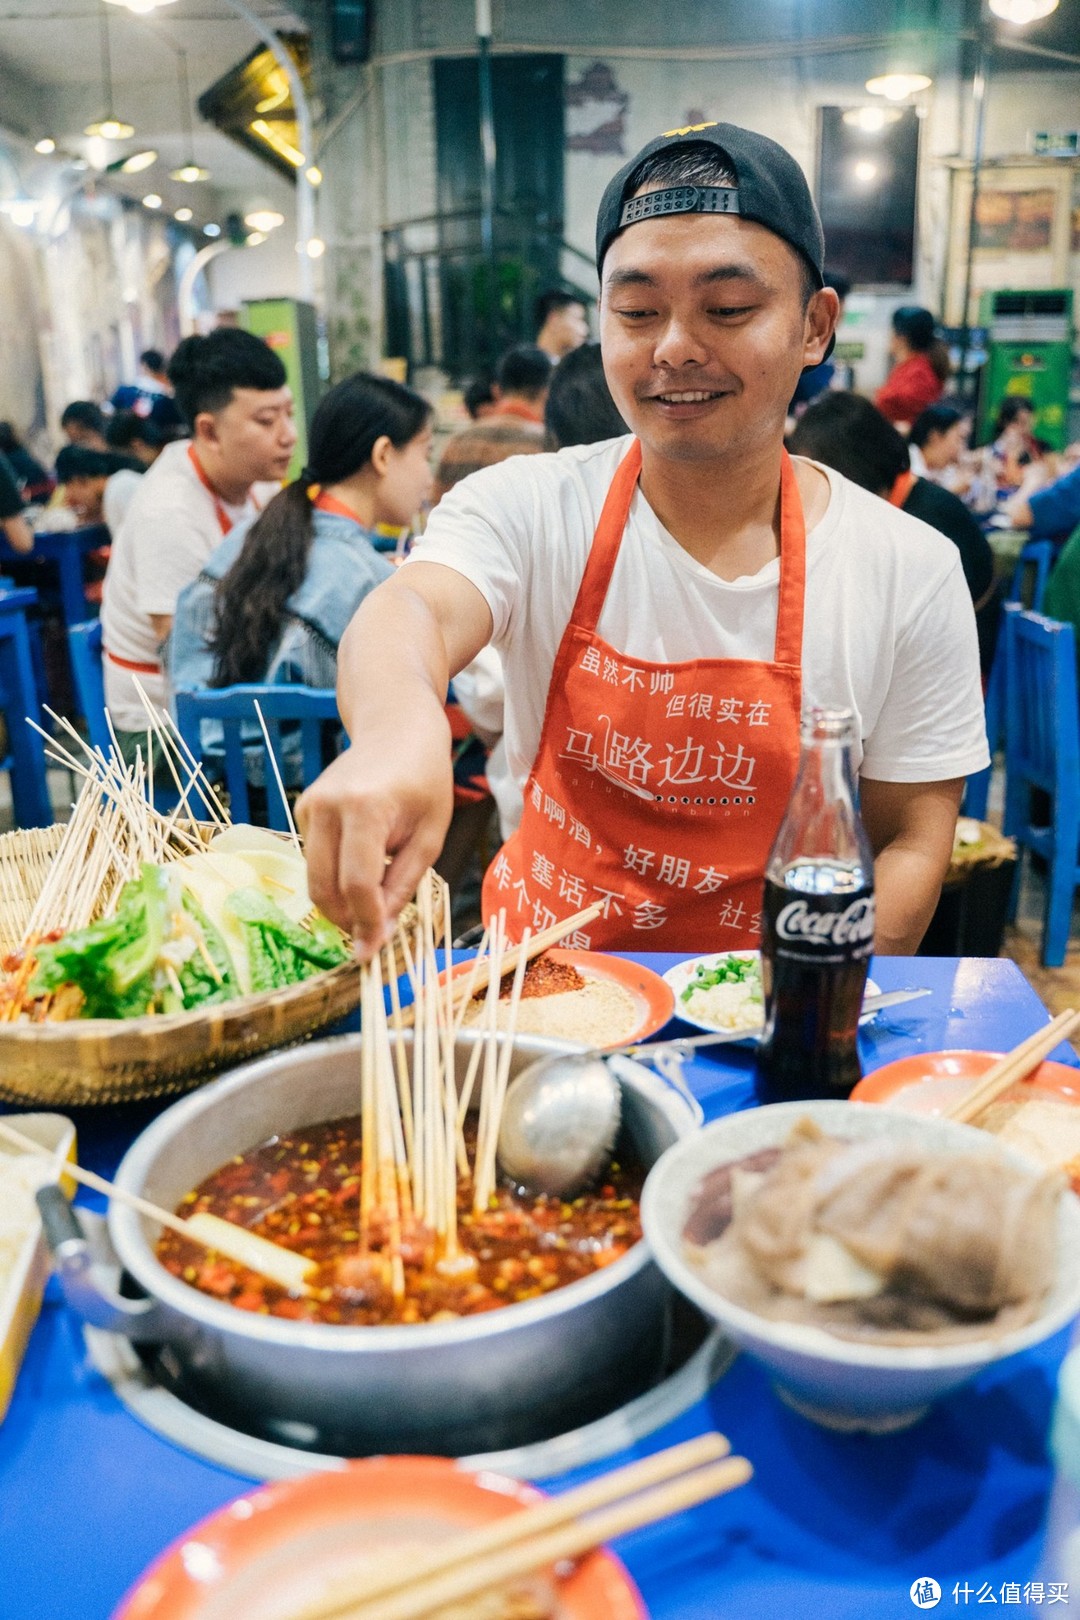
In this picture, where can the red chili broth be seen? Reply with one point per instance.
(302, 1191)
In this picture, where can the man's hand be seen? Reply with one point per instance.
(389, 797)
(911, 826)
(377, 818)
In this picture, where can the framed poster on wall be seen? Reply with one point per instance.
(1022, 233)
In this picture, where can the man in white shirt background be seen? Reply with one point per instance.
(231, 389)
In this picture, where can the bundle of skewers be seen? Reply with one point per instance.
(142, 919)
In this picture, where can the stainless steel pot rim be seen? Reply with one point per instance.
(137, 1256)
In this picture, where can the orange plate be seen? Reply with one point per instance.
(272, 1541)
(654, 1000)
(964, 1068)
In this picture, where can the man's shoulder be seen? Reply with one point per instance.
(872, 535)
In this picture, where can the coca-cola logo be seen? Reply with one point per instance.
(853, 926)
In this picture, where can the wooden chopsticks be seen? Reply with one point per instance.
(520, 1543)
(281, 1265)
(1015, 1065)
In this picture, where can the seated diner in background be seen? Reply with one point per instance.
(272, 601)
(231, 389)
(522, 379)
(35, 482)
(13, 525)
(1050, 510)
(660, 644)
(846, 432)
(920, 367)
(937, 444)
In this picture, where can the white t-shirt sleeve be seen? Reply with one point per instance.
(166, 560)
(931, 727)
(482, 528)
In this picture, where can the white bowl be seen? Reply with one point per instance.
(838, 1382)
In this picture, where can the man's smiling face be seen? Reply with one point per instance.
(705, 327)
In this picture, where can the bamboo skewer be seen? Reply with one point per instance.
(1015, 1065)
(295, 836)
(539, 1537)
(281, 1265)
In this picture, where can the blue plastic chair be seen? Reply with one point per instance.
(25, 759)
(1042, 750)
(1028, 587)
(303, 709)
(84, 643)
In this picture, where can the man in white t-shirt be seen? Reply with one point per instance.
(664, 606)
(231, 389)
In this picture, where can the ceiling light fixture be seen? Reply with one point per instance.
(109, 128)
(871, 120)
(264, 219)
(21, 211)
(277, 142)
(136, 162)
(255, 238)
(189, 173)
(151, 200)
(45, 145)
(1022, 12)
(898, 86)
(865, 171)
(315, 247)
(211, 229)
(183, 215)
(140, 7)
(315, 175)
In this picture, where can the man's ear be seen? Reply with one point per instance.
(204, 429)
(822, 315)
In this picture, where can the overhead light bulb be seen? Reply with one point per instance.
(264, 219)
(211, 229)
(871, 120)
(1021, 12)
(151, 200)
(110, 129)
(898, 86)
(865, 171)
(21, 211)
(315, 247)
(140, 7)
(138, 161)
(254, 238)
(45, 145)
(183, 215)
(314, 175)
(190, 173)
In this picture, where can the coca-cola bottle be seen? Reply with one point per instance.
(817, 923)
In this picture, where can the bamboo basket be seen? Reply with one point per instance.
(97, 1060)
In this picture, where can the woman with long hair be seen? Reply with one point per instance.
(272, 602)
(920, 366)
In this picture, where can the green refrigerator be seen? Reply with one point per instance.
(1029, 353)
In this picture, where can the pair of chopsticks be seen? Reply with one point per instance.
(476, 981)
(1015, 1065)
(281, 1265)
(408, 1587)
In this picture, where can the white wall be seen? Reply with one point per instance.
(266, 271)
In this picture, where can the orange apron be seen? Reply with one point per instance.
(657, 788)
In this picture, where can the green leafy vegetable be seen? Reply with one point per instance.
(281, 952)
(113, 960)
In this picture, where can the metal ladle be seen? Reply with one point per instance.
(561, 1115)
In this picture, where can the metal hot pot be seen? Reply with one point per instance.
(503, 1378)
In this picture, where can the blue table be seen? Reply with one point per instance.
(831, 1527)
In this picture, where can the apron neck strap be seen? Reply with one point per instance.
(608, 538)
(901, 488)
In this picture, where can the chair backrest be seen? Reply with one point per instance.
(1028, 584)
(1042, 732)
(302, 710)
(84, 643)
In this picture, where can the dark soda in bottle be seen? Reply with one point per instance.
(817, 924)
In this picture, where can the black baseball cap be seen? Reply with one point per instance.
(770, 189)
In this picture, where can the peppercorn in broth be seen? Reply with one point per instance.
(302, 1191)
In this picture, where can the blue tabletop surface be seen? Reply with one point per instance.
(835, 1527)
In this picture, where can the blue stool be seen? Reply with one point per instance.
(25, 759)
(305, 709)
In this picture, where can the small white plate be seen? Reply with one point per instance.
(679, 976)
